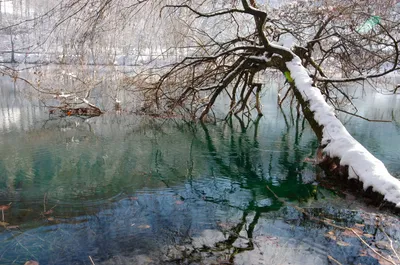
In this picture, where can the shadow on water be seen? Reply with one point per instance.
(132, 190)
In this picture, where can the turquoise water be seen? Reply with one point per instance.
(126, 189)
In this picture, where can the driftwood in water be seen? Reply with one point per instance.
(81, 111)
(84, 111)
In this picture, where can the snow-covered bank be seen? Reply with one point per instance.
(339, 143)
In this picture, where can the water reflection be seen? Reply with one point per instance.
(86, 191)
(133, 190)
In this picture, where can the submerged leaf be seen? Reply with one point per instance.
(380, 259)
(331, 235)
(350, 233)
(342, 243)
(368, 235)
(48, 212)
(13, 227)
(3, 224)
(382, 245)
(31, 262)
(363, 253)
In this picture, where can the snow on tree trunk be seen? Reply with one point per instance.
(338, 143)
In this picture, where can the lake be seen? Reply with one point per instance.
(130, 189)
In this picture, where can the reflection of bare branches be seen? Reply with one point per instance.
(64, 123)
(234, 233)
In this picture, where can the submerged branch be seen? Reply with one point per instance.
(329, 223)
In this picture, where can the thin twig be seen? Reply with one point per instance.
(391, 243)
(334, 260)
(361, 117)
(91, 260)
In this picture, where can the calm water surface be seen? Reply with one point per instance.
(126, 189)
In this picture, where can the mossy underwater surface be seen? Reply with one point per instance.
(125, 189)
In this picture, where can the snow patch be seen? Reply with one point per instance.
(339, 143)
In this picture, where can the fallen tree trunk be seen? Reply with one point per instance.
(344, 155)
